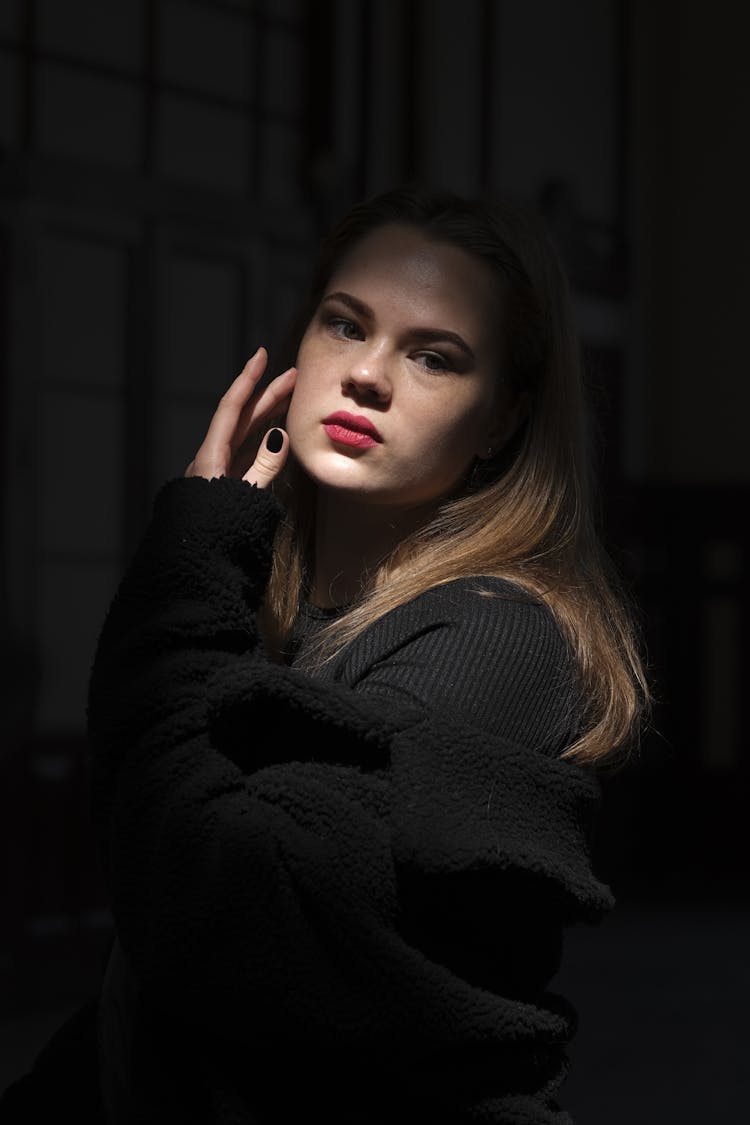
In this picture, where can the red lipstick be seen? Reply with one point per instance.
(351, 429)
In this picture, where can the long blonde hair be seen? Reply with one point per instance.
(525, 515)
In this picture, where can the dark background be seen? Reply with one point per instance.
(166, 168)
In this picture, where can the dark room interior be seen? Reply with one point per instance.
(166, 168)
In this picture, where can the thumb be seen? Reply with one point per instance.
(270, 458)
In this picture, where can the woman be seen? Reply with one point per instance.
(349, 702)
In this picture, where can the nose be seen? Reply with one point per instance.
(368, 376)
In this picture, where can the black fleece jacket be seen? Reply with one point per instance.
(338, 895)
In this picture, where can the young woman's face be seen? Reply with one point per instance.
(398, 386)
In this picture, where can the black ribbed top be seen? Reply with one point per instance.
(480, 649)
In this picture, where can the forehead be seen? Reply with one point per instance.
(399, 266)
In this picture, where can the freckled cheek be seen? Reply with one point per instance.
(296, 415)
(307, 407)
(315, 371)
(448, 437)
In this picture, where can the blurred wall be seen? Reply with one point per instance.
(690, 186)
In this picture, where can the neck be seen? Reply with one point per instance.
(352, 540)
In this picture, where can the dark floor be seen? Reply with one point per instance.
(663, 995)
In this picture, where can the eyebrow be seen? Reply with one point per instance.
(423, 335)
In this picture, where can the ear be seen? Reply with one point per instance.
(505, 426)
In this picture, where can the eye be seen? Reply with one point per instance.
(432, 361)
(344, 328)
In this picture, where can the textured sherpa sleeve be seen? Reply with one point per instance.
(287, 861)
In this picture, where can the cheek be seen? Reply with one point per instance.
(305, 402)
(296, 411)
(312, 363)
(454, 434)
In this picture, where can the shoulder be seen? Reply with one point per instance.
(490, 611)
(491, 615)
(482, 648)
(484, 596)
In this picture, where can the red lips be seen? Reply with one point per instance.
(354, 424)
(352, 430)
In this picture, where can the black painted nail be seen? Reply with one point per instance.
(274, 441)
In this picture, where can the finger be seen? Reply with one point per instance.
(225, 431)
(236, 396)
(272, 455)
(270, 399)
(245, 456)
(273, 402)
(269, 408)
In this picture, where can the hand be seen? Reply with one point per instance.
(240, 414)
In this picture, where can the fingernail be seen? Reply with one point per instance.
(274, 441)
